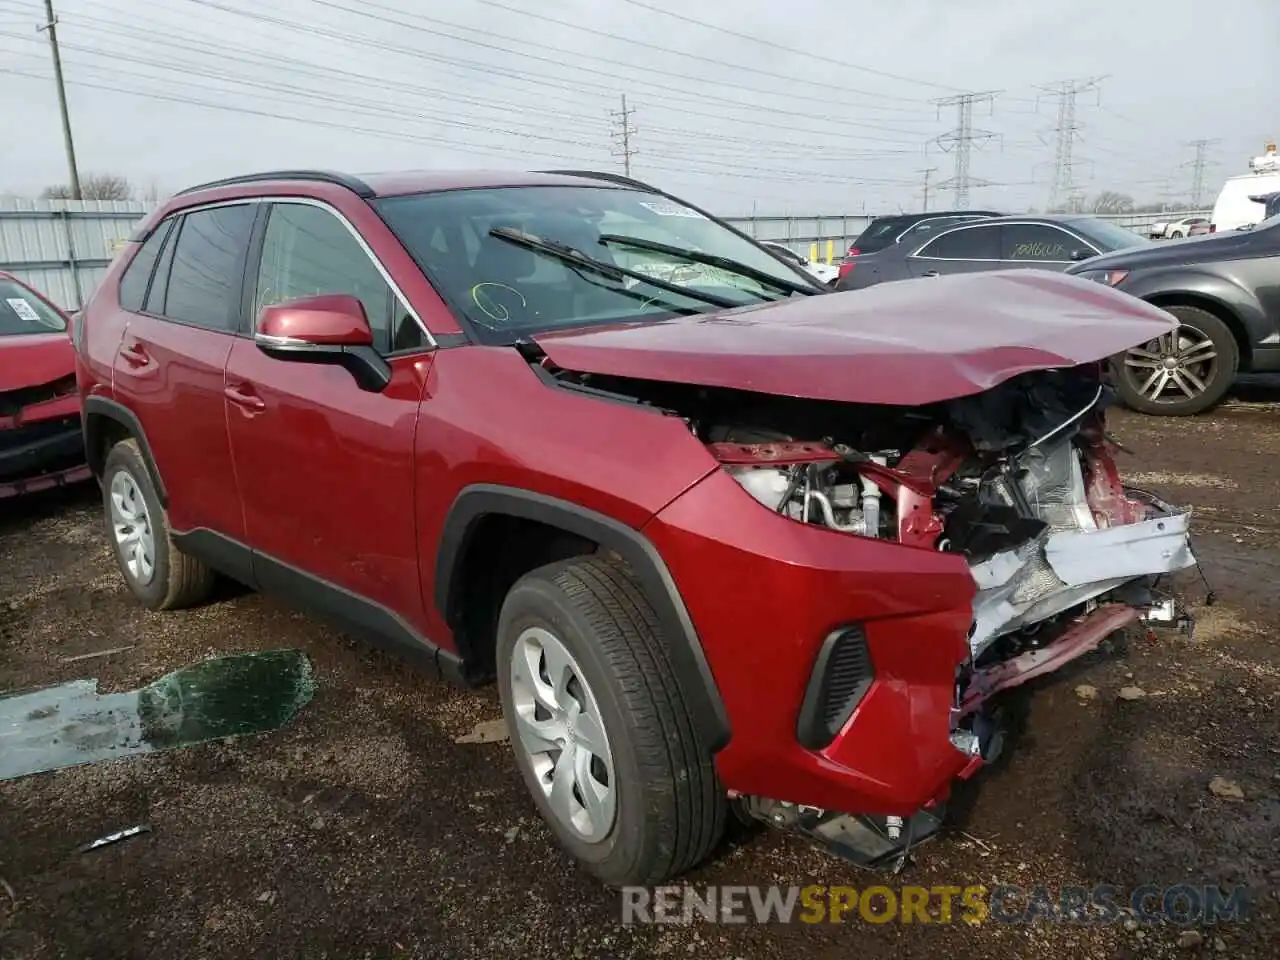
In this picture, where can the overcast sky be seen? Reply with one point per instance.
(782, 107)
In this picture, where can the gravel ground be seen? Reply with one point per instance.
(365, 829)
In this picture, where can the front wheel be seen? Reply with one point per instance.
(602, 737)
(1186, 371)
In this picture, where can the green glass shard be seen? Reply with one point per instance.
(72, 723)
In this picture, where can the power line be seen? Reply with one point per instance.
(807, 54)
(1198, 167)
(1063, 186)
(51, 25)
(960, 141)
(622, 136)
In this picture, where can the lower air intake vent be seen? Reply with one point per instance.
(841, 677)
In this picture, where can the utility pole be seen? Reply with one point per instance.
(961, 140)
(925, 192)
(51, 23)
(1198, 167)
(1063, 188)
(622, 136)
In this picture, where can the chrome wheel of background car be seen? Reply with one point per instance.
(131, 524)
(560, 731)
(1180, 365)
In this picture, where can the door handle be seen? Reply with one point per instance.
(135, 355)
(244, 398)
(931, 273)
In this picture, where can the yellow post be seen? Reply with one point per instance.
(831, 250)
(813, 252)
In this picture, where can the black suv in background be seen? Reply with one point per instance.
(885, 231)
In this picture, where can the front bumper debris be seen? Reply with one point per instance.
(41, 454)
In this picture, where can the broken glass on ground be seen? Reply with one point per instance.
(71, 723)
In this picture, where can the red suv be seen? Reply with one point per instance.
(40, 437)
(724, 540)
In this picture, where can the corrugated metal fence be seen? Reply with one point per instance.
(63, 247)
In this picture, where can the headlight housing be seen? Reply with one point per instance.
(1111, 278)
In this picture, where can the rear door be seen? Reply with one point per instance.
(967, 249)
(169, 366)
(325, 468)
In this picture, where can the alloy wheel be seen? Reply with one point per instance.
(560, 731)
(131, 524)
(1177, 366)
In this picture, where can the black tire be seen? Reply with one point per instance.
(1223, 377)
(1176, 235)
(178, 580)
(670, 804)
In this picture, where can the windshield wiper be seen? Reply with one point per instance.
(712, 260)
(576, 258)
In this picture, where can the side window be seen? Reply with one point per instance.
(308, 251)
(965, 243)
(1035, 241)
(133, 282)
(160, 281)
(205, 279)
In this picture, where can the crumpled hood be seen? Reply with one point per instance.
(906, 343)
(30, 360)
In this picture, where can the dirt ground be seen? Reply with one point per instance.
(365, 829)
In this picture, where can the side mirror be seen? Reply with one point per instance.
(331, 328)
(1078, 255)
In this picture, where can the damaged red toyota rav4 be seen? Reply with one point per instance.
(724, 540)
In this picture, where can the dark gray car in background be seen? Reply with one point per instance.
(1224, 289)
(999, 243)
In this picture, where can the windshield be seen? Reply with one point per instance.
(508, 291)
(1108, 235)
(22, 312)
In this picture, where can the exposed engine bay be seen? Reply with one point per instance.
(1021, 480)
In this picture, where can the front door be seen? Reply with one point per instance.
(181, 320)
(326, 469)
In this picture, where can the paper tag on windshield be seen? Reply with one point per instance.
(23, 310)
(671, 210)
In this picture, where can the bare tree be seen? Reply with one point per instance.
(98, 186)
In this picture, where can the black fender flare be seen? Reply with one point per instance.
(94, 411)
(693, 673)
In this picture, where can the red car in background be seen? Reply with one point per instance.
(41, 443)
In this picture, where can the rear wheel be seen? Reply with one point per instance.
(159, 575)
(602, 737)
(1184, 372)
(1176, 235)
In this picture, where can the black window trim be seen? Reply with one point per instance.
(920, 253)
(255, 266)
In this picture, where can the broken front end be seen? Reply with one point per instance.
(908, 565)
(41, 442)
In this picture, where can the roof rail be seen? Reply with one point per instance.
(354, 184)
(598, 175)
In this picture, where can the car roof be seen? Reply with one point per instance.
(399, 183)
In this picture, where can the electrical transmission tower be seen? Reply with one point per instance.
(622, 136)
(1198, 166)
(961, 140)
(1064, 188)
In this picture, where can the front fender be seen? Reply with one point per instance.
(1237, 304)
